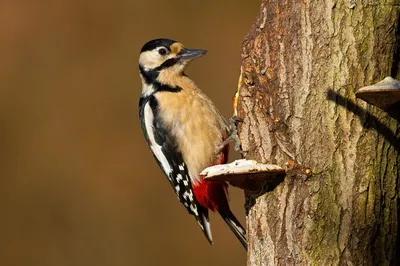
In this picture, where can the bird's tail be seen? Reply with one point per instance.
(212, 196)
(204, 223)
(235, 226)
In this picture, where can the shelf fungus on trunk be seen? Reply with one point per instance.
(245, 174)
(383, 94)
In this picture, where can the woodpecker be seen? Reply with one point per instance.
(185, 131)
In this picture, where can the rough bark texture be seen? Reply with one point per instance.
(301, 63)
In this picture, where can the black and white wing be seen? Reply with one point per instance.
(169, 158)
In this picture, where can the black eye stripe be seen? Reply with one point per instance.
(168, 63)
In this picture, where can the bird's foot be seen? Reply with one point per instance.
(233, 134)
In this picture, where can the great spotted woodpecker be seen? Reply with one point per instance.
(185, 131)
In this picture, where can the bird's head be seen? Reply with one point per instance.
(168, 56)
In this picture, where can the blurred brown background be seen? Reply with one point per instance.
(78, 185)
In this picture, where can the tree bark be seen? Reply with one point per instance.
(301, 63)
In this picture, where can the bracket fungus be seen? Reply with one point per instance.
(383, 94)
(245, 174)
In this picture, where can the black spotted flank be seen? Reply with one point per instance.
(157, 43)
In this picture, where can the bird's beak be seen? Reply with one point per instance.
(189, 54)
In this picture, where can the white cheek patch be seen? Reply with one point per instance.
(149, 59)
(152, 59)
(156, 149)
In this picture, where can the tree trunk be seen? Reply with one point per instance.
(301, 63)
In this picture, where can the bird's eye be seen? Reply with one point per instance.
(162, 51)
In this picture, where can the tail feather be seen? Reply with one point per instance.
(204, 223)
(235, 226)
(213, 196)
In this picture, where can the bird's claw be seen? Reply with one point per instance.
(233, 134)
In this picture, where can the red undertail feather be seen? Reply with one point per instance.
(212, 195)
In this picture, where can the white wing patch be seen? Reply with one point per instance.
(148, 121)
